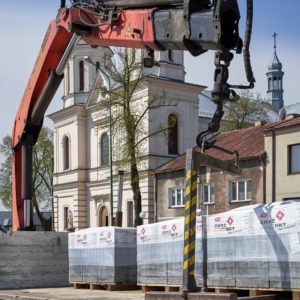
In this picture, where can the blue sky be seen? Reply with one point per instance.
(24, 23)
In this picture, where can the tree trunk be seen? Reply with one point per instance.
(134, 174)
(137, 196)
(46, 224)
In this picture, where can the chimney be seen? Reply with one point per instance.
(259, 123)
(292, 116)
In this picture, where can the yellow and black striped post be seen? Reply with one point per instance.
(189, 282)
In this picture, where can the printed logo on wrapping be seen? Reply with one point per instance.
(230, 221)
(85, 240)
(274, 219)
(280, 215)
(79, 240)
(105, 238)
(199, 225)
(218, 219)
(225, 225)
(143, 238)
(169, 232)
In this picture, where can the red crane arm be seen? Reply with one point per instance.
(134, 29)
(195, 28)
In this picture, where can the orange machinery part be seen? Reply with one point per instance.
(133, 29)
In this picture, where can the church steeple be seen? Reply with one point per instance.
(80, 75)
(275, 79)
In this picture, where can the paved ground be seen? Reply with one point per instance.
(69, 293)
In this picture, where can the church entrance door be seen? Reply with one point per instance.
(103, 216)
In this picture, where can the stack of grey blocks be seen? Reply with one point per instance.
(159, 253)
(255, 246)
(33, 260)
(103, 255)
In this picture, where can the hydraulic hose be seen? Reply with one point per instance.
(247, 39)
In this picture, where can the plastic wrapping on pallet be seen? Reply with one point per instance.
(159, 252)
(103, 255)
(253, 246)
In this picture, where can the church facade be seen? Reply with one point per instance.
(81, 185)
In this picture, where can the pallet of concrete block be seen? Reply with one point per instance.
(103, 255)
(255, 246)
(159, 253)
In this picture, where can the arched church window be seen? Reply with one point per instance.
(81, 75)
(269, 84)
(104, 148)
(66, 152)
(172, 134)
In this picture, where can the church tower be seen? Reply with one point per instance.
(170, 65)
(80, 75)
(275, 79)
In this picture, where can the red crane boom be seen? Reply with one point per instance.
(194, 25)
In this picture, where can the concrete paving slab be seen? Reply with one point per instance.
(69, 293)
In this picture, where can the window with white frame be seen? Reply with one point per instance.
(207, 193)
(176, 197)
(240, 190)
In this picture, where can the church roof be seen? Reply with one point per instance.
(284, 123)
(275, 64)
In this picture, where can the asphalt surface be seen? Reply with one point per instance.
(69, 293)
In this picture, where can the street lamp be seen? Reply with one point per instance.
(98, 69)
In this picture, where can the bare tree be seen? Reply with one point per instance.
(131, 116)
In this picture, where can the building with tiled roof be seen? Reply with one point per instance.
(218, 191)
(269, 156)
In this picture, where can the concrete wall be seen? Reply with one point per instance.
(33, 260)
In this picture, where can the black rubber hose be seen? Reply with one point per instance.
(247, 39)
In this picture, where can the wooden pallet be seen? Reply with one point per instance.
(262, 293)
(105, 286)
(157, 287)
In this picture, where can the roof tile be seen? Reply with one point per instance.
(249, 142)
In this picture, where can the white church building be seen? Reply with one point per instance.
(81, 181)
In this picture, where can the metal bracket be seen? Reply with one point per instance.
(190, 6)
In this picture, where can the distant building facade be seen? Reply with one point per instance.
(270, 163)
(282, 144)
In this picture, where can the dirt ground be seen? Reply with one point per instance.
(69, 293)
